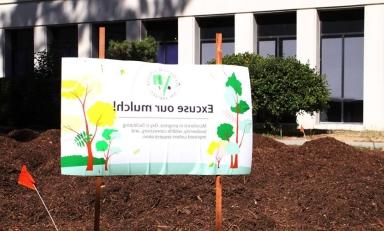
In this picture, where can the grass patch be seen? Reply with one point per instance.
(78, 160)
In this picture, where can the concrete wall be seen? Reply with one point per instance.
(374, 67)
(16, 13)
(245, 33)
(85, 40)
(308, 51)
(188, 40)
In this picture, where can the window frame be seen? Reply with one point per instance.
(342, 100)
(278, 43)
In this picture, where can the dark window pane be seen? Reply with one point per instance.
(21, 52)
(342, 61)
(113, 31)
(172, 54)
(167, 53)
(353, 68)
(62, 42)
(162, 30)
(331, 64)
(353, 111)
(208, 50)
(289, 47)
(165, 33)
(161, 52)
(208, 29)
(333, 114)
(267, 48)
(282, 24)
(342, 21)
(210, 26)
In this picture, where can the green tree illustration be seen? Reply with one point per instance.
(239, 107)
(225, 131)
(99, 114)
(105, 145)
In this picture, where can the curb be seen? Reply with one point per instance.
(361, 144)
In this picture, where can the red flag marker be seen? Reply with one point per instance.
(25, 178)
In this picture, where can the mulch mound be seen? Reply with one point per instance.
(321, 185)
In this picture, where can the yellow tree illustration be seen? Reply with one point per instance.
(99, 114)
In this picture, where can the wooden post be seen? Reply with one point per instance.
(219, 51)
(101, 42)
(96, 224)
(218, 183)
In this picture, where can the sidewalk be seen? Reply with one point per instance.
(362, 144)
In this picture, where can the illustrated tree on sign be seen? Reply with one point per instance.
(225, 131)
(100, 114)
(105, 145)
(223, 147)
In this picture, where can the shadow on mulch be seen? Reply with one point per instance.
(321, 185)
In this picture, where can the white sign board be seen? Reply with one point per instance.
(136, 118)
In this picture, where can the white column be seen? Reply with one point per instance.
(2, 53)
(188, 41)
(374, 67)
(85, 40)
(245, 33)
(40, 38)
(134, 30)
(308, 51)
(308, 37)
(39, 41)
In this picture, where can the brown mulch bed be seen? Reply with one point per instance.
(322, 185)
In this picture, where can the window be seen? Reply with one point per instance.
(62, 42)
(277, 34)
(165, 33)
(208, 29)
(20, 52)
(342, 53)
(113, 31)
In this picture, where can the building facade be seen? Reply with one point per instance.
(344, 40)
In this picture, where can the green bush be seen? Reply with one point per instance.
(282, 87)
(45, 65)
(139, 50)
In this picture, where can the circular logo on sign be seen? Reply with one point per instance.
(163, 84)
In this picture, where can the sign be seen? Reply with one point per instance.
(136, 118)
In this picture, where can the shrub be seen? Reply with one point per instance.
(282, 87)
(139, 50)
(46, 64)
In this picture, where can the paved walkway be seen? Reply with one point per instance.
(363, 144)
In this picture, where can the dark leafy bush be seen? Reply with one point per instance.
(139, 50)
(282, 87)
(46, 64)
